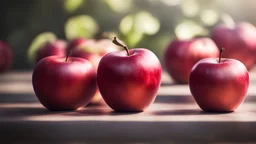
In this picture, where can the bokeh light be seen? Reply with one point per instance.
(72, 5)
(190, 8)
(209, 17)
(189, 29)
(81, 26)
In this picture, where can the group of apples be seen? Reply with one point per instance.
(217, 85)
(69, 75)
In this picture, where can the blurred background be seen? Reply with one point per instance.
(150, 24)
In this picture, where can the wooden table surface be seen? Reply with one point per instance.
(173, 117)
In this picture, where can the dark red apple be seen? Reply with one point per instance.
(239, 42)
(92, 50)
(181, 55)
(53, 48)
(5, 56)
(129, 80)
(219, 85)
(61, 84)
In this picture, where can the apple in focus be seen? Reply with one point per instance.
(5, 56)
(128, 80)
(181, 55)
(238, 40)
(219, 85)
(64, 84)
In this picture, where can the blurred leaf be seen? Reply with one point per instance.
(189, 29)
(190, 8)
(126, 24)
(72, 5)
(120, 6)
(38, 42)
(209, 17)
(81, 26)
(134, 38)
(146, 23)
(135, 26)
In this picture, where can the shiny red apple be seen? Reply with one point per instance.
(64, 84)
(219, 85)
(5, 56)
(92, 50)
(181, 55)
(53, 48)
(238, 40)
(129, 80)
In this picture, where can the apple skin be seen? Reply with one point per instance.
(92, 50)
(239, 42)
(181, 55)
(61, 85)
(5, 56)
(55, 48)
(219, 87)
(129, 83)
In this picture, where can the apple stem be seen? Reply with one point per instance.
(121, 45)
(221, 52)
(69, 52)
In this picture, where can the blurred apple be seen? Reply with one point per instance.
(239, 40)
(76, 42)
(5, 56)
(44, 45)
(57, 48)
(181, 55)
(92, 50)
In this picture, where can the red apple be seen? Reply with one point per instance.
(219, 85)
(61, 84)
(5, 56)
(129, 80)
(181, 55)
(92, 50)
(57, 48)
(239, 42)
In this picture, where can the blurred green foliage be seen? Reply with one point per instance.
(72, 5)
(150, 24)
(80, 26)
